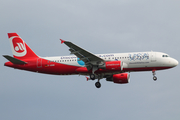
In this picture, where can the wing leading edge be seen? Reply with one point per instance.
(88, 58)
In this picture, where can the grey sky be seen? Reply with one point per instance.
(99, 26)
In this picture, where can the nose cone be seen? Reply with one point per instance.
(175, 62)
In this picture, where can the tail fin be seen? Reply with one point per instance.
(19, 48)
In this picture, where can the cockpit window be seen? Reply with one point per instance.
(165, 56)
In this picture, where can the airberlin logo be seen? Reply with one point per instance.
(18, 46)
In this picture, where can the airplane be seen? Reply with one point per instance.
(115, 67)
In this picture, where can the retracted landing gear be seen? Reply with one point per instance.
(154, 77)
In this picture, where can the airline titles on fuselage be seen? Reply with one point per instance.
(130, 57)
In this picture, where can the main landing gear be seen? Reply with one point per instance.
(93, 77)
(98, 84)
(154, 77)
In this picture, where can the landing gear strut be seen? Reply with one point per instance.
(92, 76)
(154, 77)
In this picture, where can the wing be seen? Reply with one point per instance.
(88, 58)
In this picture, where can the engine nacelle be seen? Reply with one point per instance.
(121, 78)
(113, 65)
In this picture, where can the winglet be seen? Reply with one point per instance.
(62, 41)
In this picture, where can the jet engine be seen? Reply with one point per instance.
(121, 78)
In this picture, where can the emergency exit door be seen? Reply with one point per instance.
(153, 56)
(39, 63)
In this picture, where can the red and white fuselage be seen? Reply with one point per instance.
(110, 66)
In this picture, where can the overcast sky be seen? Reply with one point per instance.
(99, 26)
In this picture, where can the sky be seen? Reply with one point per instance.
(99, 26)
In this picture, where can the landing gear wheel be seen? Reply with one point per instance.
(98, 84)
(154, 78)
(92, 76)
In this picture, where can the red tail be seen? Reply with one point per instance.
(19, 48)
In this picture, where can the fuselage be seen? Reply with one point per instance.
(111, 66)
(67, 65)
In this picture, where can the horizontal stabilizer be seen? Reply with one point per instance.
(14, 60)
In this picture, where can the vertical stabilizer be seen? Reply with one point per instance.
(19, 48)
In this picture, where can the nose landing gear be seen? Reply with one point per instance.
(154, 77)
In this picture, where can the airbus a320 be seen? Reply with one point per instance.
(114, 67)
